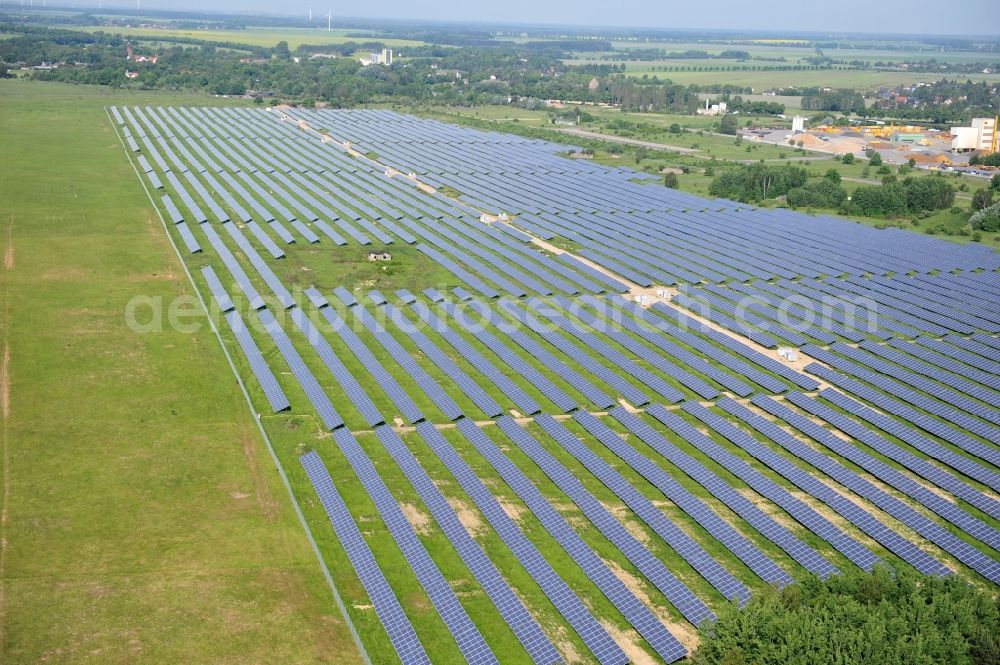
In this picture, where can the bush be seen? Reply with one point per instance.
(928, 194)
(987, 219)
(833, 175)
(982, 198)
(824, 193)
(848, 158)
(992, 159)
(886, 617)
(879, 200)
(995, 182)
(670, 180)
(892, 199)
(874, 158)
(727, 125)
(675, 128)
(756, 182)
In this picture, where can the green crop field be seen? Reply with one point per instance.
(266, 37)
(143, 517)
(768, 79)
(759, 49)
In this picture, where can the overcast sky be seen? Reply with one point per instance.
(979, 17)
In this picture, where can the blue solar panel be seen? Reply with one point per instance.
(405, 296)
(881, 400)
(464, 382)
(514, 361)
(345, 296)
(222, 299)
(235, 269)
(684, 323)
(622, 361)
(189, 240)
(616, 381)
(419, 375)
(652, 568)
(318, 300)
(798, 509)
(399, 629)
(272, 390)
(739, 545)
(639, 350)
(385, 381)
(635, 612)
(175, 215)
(509, 605)
(932, 472)
(683, 544)
(524, 402)
(317, 397)
(669, 349)
(555, 589)
(355, 393)
(931, 387)
(851, 511)
(468, 637)
(904, 513)
(263, 269)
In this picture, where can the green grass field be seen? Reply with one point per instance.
(779, 48)
(143, 517)
(266, 37)
(768, 79)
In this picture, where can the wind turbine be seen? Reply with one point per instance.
(329, 20)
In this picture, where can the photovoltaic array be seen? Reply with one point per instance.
(550, 409)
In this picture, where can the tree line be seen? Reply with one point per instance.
(755, 183)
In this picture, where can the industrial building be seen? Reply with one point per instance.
(383, 58)
(981, 135)
(715, 109)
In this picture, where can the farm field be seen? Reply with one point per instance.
(775, 49)
(143, 517)
(553, 431)
(265, 37)
(769, 79)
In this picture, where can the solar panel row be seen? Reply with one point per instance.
(634, 611)
(470, 641)
(569, 605)
(506, 601)
(399, 629)
(851, 511)
(648, 565)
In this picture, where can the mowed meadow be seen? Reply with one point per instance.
(143, 518)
